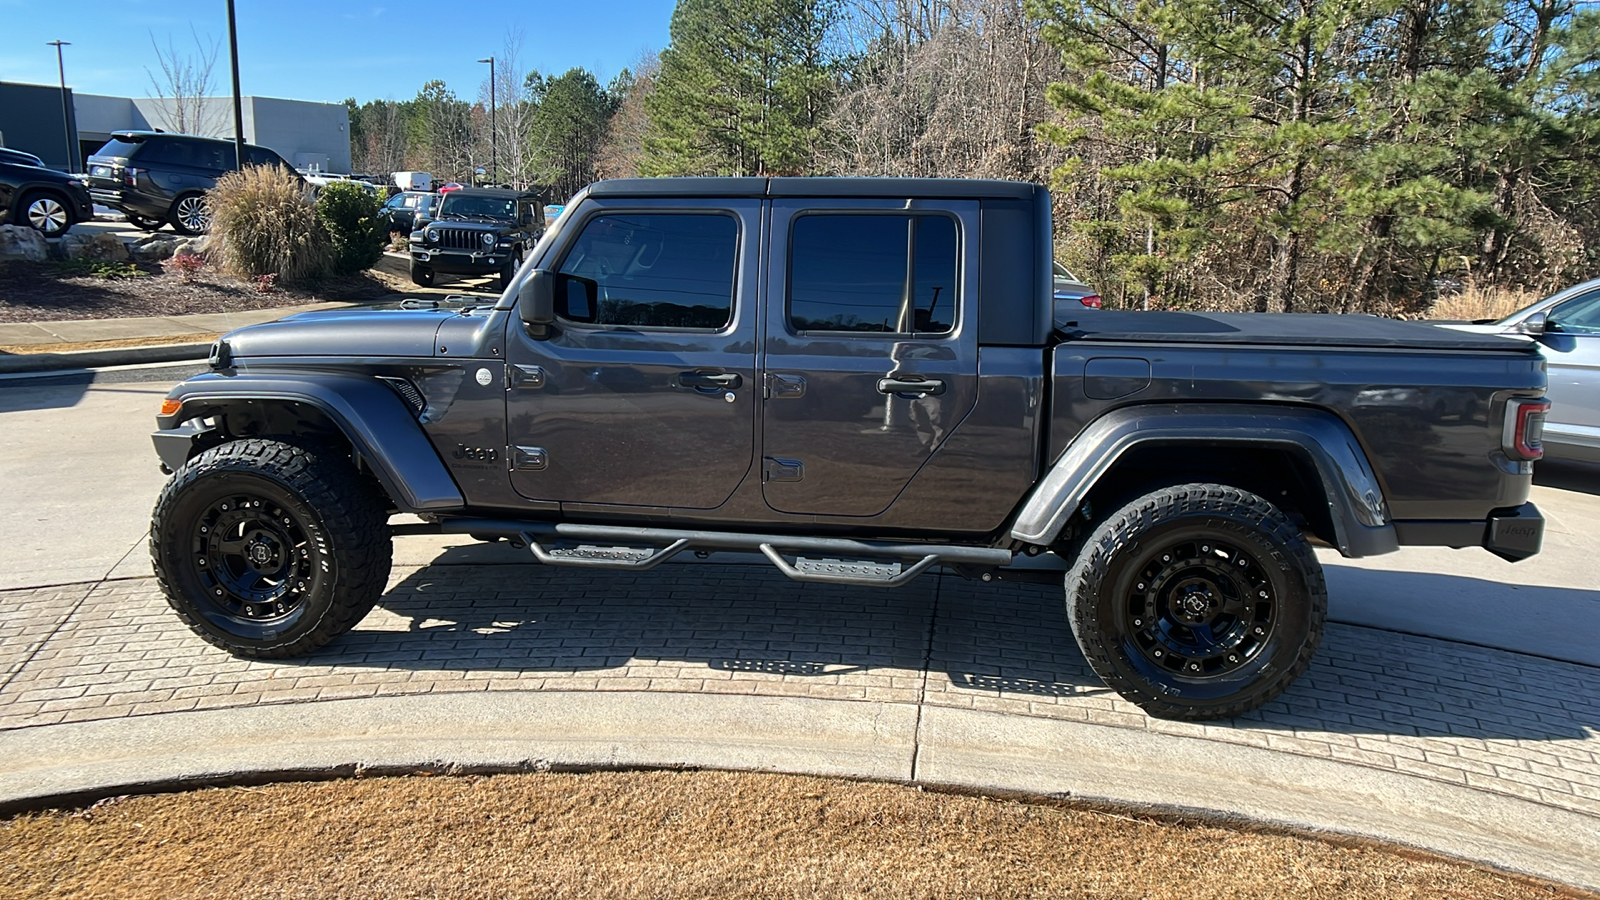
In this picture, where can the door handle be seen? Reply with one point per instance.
(910, 384)
(708, 381)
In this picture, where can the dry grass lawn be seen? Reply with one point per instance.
(1476, 302)
(665, 834)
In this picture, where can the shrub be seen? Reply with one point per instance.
(98, 268)
(352, 216)
(185, 265)
(263, 222)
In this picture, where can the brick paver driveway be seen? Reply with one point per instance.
(1497, 721)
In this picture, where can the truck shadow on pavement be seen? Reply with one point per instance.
(1000, 647)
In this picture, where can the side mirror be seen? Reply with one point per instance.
(536, 300)
(1533, 326)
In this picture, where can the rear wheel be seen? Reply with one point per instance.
(144, 222)
(190, 215)
(1200, 601)
(270, 550)
(47, 214)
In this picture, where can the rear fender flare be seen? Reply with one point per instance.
(1355, 497)
(372, 417)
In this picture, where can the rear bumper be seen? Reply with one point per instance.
(1512, 534)
(130, 202)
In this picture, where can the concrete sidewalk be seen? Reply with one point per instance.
(1470, 751)
(74, 331)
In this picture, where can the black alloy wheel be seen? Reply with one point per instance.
(270, 550)
(1199, 601)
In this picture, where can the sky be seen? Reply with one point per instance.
(327, 51)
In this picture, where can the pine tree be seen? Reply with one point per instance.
(743, 89)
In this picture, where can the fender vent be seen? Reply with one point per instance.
(407, 391)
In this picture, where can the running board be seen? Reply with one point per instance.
(815, 559)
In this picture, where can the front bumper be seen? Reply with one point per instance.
(1513, 534)
(462, 262)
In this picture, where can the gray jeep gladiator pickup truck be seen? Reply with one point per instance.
(858, 380)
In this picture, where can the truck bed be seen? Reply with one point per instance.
(1309, 329)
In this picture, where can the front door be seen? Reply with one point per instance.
(644, 392)
(1572, 357)
(871, 353)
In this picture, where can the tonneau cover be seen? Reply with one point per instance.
(1308, 329)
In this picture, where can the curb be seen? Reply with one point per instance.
(115, 356)
(938, 747)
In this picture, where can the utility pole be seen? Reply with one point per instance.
(494, 135)
(238, 112)
(66, 116)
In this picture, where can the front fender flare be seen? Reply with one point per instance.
(1355, 498)
(372, 417)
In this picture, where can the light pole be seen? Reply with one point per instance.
(238, 114)
(494, 137)
(66, 117)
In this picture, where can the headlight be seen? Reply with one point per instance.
(488, 239)
(433, 234)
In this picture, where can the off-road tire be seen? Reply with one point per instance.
(422, 275)
(317, 495)
(510, 271)
(1146, 558)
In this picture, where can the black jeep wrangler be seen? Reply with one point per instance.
(477, 231)
(857, 381)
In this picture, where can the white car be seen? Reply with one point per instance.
(1567, 328)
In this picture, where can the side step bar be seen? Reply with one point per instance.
(817, 559)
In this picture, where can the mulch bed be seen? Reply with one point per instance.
(44, 292)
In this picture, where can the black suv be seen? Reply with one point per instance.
(41, 198)
(155, 178)
(477, 231)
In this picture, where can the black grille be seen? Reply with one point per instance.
(460, 239)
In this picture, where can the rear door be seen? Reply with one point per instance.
(871, 355)
(645, 392)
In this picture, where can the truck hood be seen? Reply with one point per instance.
(364, 331)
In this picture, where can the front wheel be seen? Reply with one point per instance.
(270, 550)
(510, 271)
(1200, 601)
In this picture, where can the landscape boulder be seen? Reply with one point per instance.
(156, 247)
(95, 247)
(21, 242)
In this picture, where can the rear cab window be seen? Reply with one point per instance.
(874, 273)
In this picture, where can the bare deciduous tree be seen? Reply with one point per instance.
(184, 84)
(513, 111)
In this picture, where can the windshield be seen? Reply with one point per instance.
(1061, 272)
(469, 207)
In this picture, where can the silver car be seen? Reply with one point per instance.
(1567, 327)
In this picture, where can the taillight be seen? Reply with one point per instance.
(1093, 300)
(131, 175)
(1524, 428)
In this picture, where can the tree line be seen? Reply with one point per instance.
(1320, 155)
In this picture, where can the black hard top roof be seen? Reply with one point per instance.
(814, 187)
(1307, 329)
(497, 193)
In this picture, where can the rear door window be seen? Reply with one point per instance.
(882, 274)
(651, 270)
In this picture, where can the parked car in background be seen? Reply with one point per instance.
(1566, 326)
(413, 181)
(477, 231)
(452, 186)
(407, 210)
(48, 201)
(552, 212)
(155, 178)
(19, 157)
(1069, 290)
